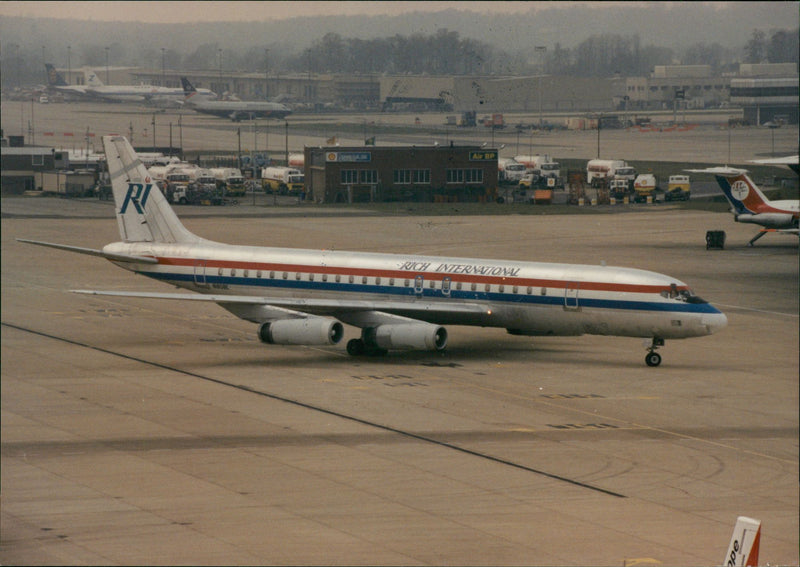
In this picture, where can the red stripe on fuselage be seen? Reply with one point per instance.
(435, 276)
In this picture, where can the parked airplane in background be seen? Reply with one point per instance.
(235, 110)
(790, 161)
(302, 297)
(94, 89)
(56, 81)
(750, 205)
(745, 543)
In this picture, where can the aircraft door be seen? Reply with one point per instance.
(446, 281)
(419, 284)
(571, 296)
(200, 272)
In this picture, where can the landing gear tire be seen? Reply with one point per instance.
(356, 347)
(652, 359)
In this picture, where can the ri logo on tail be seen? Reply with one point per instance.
(137, 195)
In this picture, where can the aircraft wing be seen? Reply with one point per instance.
(786, 160)
(260, 309)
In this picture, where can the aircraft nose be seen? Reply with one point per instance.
(714, 322)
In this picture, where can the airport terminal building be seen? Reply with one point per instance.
(407, 173)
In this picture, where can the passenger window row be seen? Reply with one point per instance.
(365, 280)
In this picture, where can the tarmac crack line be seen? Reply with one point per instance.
(334, 413)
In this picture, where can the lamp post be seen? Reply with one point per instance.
(266, 74)
(69, 64)
(253, 158)
(286, 140)
(599, 122)
(180, 132)
(540, 49)
(163, 51)
(219, 54)
(107, 81)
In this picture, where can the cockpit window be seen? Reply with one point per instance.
(684, 295)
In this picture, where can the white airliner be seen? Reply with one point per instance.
(138, 93)
(234, 109)
(94, 89)
(56, 81)
(302, 297)
(750, 205)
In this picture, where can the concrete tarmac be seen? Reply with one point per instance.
(155, 432)
(703, 137)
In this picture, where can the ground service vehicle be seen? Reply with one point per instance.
(177, 182)
(679, 188)
(510, 170)
(645, 186)
(283, 180)
(600, 171)
(230, 179)
(619, 189)
(546, 172)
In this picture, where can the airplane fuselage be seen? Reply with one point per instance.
(775, 214)
(237, 110)
(524, 298)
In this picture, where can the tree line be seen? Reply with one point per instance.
(442, 53)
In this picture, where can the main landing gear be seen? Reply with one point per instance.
(358, 347)
(653, 358)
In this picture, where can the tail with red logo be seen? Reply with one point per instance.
(742, 193)
(745, 541)
(143, 213)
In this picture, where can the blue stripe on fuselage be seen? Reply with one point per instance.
(233, 282)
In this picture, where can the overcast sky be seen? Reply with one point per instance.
(177, 12)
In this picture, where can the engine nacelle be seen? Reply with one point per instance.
(408, 336)
(767, 220)
(305, 331)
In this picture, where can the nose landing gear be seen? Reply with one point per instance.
(653, 358)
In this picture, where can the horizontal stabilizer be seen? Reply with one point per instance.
(93, 252)
(722, 171)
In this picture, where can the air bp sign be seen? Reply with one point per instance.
(483, 155)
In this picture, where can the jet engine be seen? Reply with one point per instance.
(305, 331)
(768, 220)
(408, 336)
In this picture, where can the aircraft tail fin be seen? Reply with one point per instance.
(187, 86)
(92, 80)
(143, 213)
(745, 541)
(54, 78)
(741, 192)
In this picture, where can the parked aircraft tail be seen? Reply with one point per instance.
(54, 78)
(92, 80)
(187, 86)
(742, 193)
(745, 541)
(143, 213)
